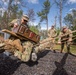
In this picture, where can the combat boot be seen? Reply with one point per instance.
(34, 57)
(62, 51)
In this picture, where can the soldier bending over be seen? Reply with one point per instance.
(65, 37)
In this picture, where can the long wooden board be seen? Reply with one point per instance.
(13, 34)
(22, 34)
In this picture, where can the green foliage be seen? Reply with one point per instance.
(13, 11)
(43, 14)
(31, 14)
(34, 29)
(43, 34)
(74, 34)
(70, 19)
(58, 31)
(5, 20)
(46, 6)
(16, 12)
(72, 48)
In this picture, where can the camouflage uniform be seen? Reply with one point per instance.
(48, 42)
(21, 49)
(43, 45)
(25, 55)
(52, 34)
(26, 45)
(65, 39)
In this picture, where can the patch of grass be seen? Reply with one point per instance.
(72, 48)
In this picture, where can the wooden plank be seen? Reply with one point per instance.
(27, 33)
(13, 34)
(23, 36)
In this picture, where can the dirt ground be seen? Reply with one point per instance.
(49, 63)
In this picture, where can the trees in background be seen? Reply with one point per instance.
(12, 10)
(43, 14)
(70, 21)
(34, 29)
(60, 4)
(31, 15)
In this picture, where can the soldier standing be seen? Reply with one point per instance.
(48, 42)
(52, 34)
(65, 37)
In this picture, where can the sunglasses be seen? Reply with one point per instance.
(25, 21)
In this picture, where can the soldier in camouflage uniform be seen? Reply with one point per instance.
(27, 46)
(48, 42)
(24, 21)
(20, 49)
(65, 37)
(52, 34)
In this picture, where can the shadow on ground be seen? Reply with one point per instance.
(42, 54)
(8, 65)
(60, 66)
(39, 55)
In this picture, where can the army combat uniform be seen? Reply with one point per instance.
(65, 38)
(52, 34)
(27, 46)
(43, 45)
(20, 48)
(48, 42)
(17, 48)
(25, 55)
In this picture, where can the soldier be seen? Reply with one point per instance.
(48, 41)
(21, 49)
(65, 37)
(23, 21)
(52, 34)
(25, 54)
(15, 27)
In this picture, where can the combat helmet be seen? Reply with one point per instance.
(25, 17)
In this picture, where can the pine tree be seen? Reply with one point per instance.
(43, 14)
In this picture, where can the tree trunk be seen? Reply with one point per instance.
(47, 23)
(60, 14)
(8, 12)
(55, 21)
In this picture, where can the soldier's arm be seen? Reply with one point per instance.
(49, 33)
(59, 40)
(70, 35)
(55, 34)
